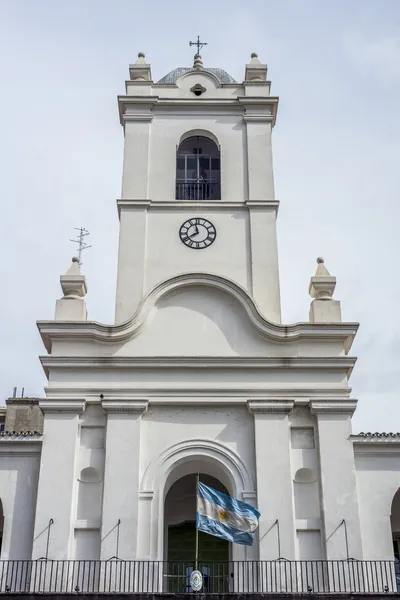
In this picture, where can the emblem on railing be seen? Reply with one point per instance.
(196, 581)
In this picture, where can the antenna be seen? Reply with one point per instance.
(82, 245)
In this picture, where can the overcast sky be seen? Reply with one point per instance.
(335, 65)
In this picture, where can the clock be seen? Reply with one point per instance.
(197, 233)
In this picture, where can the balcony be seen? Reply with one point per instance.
(333, 577)
(198, 190)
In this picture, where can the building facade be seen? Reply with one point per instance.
(198, 374)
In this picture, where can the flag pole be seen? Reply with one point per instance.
(197, 531)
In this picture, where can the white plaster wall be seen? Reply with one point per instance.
(378, 479)
(163, 427)
(18, 491)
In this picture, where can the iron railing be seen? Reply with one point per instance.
(198, 190)
(126, 576)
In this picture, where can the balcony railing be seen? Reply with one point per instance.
(198, 190)
(272, 577)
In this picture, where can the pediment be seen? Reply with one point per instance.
(197, 321)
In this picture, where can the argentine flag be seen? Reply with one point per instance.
(225, 517)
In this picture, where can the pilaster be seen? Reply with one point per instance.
(274, 486)
(264, 258)
(338, 479)
(121, 478)
(56, 491)
(131, 259)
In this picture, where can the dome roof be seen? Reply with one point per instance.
(174, 75)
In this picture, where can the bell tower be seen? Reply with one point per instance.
(197, 187)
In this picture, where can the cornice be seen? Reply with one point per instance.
(125, 406)
(333, 407)
(50, 405)
(18, 445)
(262, 204)
(185, 395)
(376, 444)
(340, 363)
(209, 205)
(270, 406)
(50, 330)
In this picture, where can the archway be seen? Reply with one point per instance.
(180, 538)
(1, 524)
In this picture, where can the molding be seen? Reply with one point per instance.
(250, 497)
(146, 495)
(204, 447)
(209, 395)
(259, 119)
(376, 444)
(134, 117)
(87, 524)
(308, 524)
(270, 406)
(376, 437)
(50, 405)
(217, 204)
(125, 406)
(50, 330)
(333, 407)
(258, 100)
(341, 363)
(386, 450)
(22, 447)
(263, 204)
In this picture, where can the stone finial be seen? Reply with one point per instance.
(255, 70)
(198, 62)
(73, 283)
(141, 70)
(323, 309)
(322, 285)
(72, 307)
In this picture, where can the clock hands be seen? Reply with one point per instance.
(196, 231)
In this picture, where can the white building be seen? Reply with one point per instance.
(198, 373)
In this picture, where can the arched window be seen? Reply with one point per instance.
(198, 173)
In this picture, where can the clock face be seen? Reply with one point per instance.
(197, 233)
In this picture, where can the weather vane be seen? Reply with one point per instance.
(199, 44)
(82, 245)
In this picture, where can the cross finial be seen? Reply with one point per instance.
(199, 44)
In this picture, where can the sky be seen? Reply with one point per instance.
(335, 66)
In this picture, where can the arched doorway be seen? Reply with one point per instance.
(395, 524)
(1, 525)
(180, 538)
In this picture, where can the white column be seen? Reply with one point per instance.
(274, 484)
(18, 494)
(57, 479)
(121, 478)
(264, 259)
(338, 479)
(131, 258)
